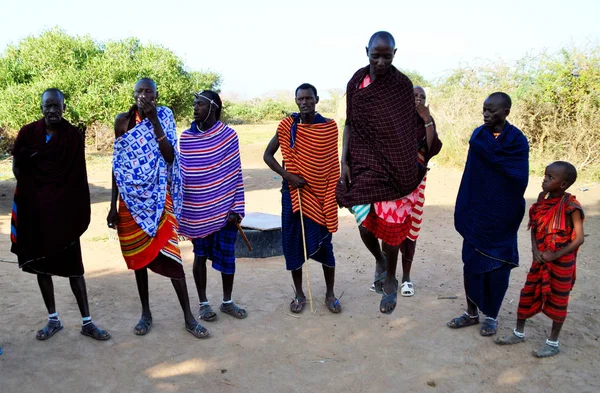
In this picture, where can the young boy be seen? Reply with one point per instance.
(556, 223)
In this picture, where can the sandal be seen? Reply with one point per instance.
(489, 327)
(51, 328)
(546, 351)
(206, 313)
(509, 340)
(333, 304)
(94, 332)
(233, 310)
(463, 321)
(143, 326)
(388, 300)
(378, 280)
(297, 305)
(198, 330)
(407, 289)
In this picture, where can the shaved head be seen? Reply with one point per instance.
(147, 81)
(502, 98)
(54, 91)
(569, 171)
(384, 36)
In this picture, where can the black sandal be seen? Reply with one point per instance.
(198, 330)
(94, 332)
(143, 327)
(333, 304)
(51, 328)
(206, 313)
(297, 305)
(233, 310)
(463, 321)
(389, 299)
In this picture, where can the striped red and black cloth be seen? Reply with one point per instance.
(383, 143)
(313, 155)
(549, 284)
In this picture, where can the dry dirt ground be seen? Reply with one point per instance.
(360, 350)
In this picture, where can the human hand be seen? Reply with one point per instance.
(296, 181)
(548, 256)
(234, 218)
(113, 218)
(346, 175)
(149, 108)
(423, 112)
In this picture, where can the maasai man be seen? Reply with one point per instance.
(147, 182)
(310, 172)
(380, 168)
(489, 209)
(51, 209)
(556, 223)
(429, 145)
(213, 198)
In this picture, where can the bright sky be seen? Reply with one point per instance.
(262, 46)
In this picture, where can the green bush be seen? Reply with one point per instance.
(96, 78)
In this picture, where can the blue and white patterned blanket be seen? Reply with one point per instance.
(142, 174)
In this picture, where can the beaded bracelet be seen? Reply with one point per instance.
(161, 138)
(429, 124)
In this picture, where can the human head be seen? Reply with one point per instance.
(496, 108)
(381, 51)
(420, 96)
(145, 88)
(558, 177)
(207, 105)
(306, 98)
(53, 106)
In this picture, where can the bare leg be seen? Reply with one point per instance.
(329, 273)
(297, 277)
(556, 327)
(391, 255)
(80, 291)
(184, 300)
(141, 278)
(408, 252)
(47, 288)
(372, 244)
(200, 277)
(227, 286)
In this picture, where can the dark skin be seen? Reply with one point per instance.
(145, 95)
(556, 184)
(205, 116)
(381, 54)
(53, 107)
(306, 101)
(495, 112)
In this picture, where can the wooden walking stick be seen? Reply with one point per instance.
(239, 227)
(305, 253)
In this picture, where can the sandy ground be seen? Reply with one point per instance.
(360, 350)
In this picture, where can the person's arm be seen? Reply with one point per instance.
(166, 149)
(574, 245)
(121, 122)
(269, 158)
(346, 173)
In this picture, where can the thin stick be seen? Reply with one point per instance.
(239, 227)
(305, 253)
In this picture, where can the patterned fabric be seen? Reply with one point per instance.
(393, 228)
(486, 289)
(549, 284)
(51, 205)
(382, 145)
(212, 178)
(490, 204)
(314, 157)
(317, 237)
(219, 247)
(161, 252)
(142, 174)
